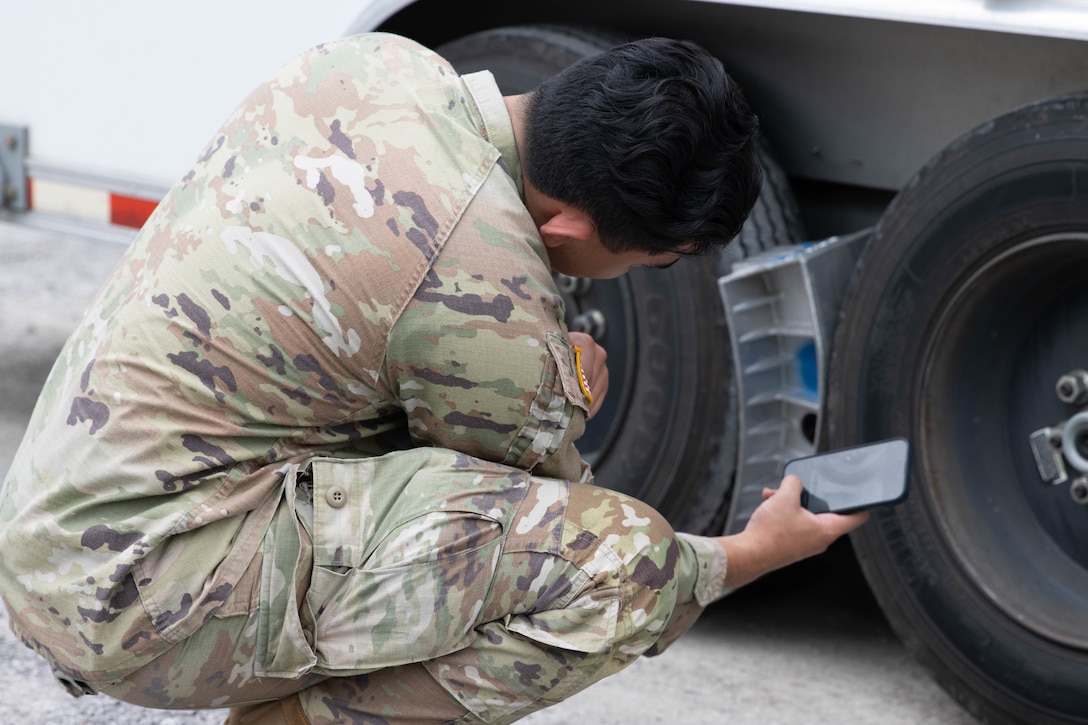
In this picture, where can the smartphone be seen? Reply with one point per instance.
(855, 478)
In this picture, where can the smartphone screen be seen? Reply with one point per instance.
(851, 479)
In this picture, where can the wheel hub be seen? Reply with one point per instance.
(1066, 442)
(602, 310)
(1015, 326)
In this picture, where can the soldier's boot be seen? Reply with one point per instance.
(287, 711)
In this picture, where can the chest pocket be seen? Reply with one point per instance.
(405, 550)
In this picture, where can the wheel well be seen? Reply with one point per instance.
(431, 22)
(842, 100)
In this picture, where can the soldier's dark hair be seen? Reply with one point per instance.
(653, 140)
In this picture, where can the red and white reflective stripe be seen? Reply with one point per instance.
(87, 203)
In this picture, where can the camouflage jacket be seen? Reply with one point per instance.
(346, 269)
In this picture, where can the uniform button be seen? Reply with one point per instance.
(336, 497)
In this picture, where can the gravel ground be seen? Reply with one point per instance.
(806, 646)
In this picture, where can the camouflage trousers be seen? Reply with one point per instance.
(429, 587)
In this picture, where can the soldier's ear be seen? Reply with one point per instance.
(567, 224)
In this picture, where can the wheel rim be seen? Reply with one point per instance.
(990, 366)
(605, 310)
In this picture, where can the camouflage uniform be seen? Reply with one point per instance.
(288, 447)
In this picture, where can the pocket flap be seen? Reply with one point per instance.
(352, 497)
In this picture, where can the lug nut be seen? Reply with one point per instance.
(1073, 387)
(572, 285)
(591, 322)
(1078, 489)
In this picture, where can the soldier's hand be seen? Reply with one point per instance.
(781, 532)
(594, 367)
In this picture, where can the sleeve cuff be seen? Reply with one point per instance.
(712, 565)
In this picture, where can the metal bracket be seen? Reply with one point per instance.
(13, 179)
(1046, 447)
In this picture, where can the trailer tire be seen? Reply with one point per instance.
(967, 305)
(667, 432)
